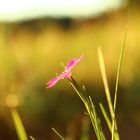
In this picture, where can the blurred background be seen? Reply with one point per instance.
(37, 36)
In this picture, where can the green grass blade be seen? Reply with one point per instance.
(90, 109)
(105, 82)
(105, 116)
(58, 134)
(117, 82)
(107, 92)
(85, 100)
(18, 125)
(93, 118)
(118, 69)
(97, 121)
(116, 135)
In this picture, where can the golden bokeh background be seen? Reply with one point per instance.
(32, 52)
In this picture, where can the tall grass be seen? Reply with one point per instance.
(108, 96)
(89, 105)
(112, 107)
(87, 101)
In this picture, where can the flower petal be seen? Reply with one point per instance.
(72, 64)
(66, 74)
(53, 82)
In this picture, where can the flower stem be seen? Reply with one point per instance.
(95, 120)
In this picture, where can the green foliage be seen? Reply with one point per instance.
(90, 109)
(19, 125)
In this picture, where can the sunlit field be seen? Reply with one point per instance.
(33, 52)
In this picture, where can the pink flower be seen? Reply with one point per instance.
(66, 73)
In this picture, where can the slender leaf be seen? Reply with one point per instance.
(105, 116)
(58, 134)
(117, 81)
(105, 81)
(32, 138)
(18, 125)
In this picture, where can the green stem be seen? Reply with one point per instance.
(58, 134)
(18, 125)
(78, 90)
(90, 109)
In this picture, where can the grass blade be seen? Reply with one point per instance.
(58, 134)
(105, 82)
(18, 125)
(95, 120)
(117, 81)
(105, 116)
(32, 138)
(118, 70)
(107, 92)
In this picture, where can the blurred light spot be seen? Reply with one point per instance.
(11, 100)
(24, 9)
